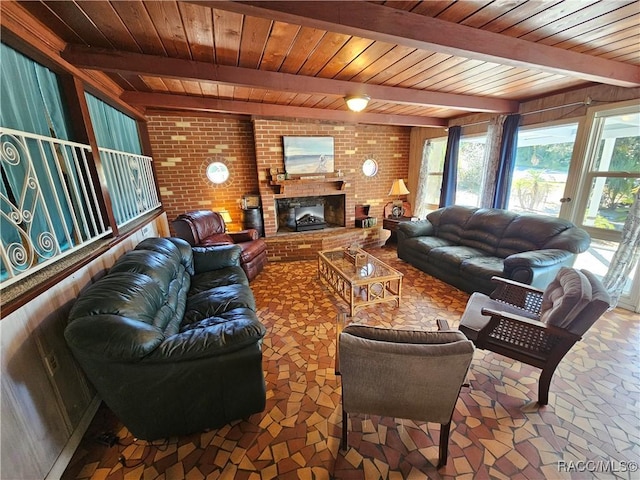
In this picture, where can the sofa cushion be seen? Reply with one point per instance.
(215, 257)
(485, 229)
(218, 278)
(218, 300)
(482, 267)
(216, 239)
(565, 297)
(158, 266)
(454, 255)
(530, 232)
(424, 245)
(163, 246)
(450, 222)
(127, 294)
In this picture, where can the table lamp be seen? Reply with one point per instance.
(224, 213)
(398, 188)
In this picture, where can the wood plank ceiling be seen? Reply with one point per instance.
(421, 63)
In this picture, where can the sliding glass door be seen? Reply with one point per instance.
(542, 168)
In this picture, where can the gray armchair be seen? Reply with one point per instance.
(536, 327)
(404, 374)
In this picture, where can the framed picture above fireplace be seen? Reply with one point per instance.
(304, 155)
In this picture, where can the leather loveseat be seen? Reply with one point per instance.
(205, 228)
(170, 339)
(467, 246)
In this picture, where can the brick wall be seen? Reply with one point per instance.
(182, 146)
(352, 144)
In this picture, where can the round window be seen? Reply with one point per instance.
(370, 167)
(217, 172)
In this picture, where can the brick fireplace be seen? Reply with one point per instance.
(352, 144)
(183, 144)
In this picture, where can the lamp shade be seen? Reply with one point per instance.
(224, 213)
(357, 103)
(398, 187)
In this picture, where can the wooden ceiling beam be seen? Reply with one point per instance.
(151, 65)
(377, 22)
(163, 101)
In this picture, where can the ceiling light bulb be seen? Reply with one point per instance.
(357, 103)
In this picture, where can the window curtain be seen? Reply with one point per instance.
(33, 205)
(113, 129)
(450, 172)
(627, 254)
(508, 150)
(491, 161)
(420, 201)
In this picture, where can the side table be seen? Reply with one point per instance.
(391, 224)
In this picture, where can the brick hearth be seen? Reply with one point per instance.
(306, 245)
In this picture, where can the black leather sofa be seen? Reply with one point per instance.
(466, 246)
(170, 339)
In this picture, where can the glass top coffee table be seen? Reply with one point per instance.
(359, 278)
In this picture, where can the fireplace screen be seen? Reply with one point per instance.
(299, 214)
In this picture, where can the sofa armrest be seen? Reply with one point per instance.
(209, 340)
(420, 228)
(112, 337)
(537, 258)
(207, 259)
(247, 235)
(537, 267)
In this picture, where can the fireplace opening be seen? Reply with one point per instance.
(310, 218)
(300, 214)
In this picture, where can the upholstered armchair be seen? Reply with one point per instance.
(404, 374)
(534, 326)
(204, 228)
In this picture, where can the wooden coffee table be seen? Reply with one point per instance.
(359, 278)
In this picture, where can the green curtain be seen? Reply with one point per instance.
(31, 102)
(113, 129)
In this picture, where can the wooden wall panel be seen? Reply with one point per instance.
(42, 407)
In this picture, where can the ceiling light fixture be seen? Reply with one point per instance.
(357, 103)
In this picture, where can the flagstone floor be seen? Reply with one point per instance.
(590, 429)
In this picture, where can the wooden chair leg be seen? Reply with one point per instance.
(444, 444)
(544, 383)
(343, 440)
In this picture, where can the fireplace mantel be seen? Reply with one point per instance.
(281, 185)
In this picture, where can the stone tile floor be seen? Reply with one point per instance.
(590, 429)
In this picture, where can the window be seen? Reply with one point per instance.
(470, 171)
(614, 171)
(217, 173)
(129, 174)
(49, 204)
(541, 169)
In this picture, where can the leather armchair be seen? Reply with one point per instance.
(404, 374)
(534, 326)
(203, 228)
